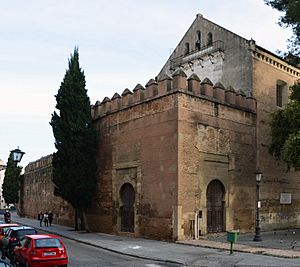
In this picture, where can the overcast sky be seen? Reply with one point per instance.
(121, 43)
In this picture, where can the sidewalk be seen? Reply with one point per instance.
(281, 243)
(204, 252)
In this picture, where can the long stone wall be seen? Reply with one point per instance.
(37, 193)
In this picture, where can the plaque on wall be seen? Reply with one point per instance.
(285, 198)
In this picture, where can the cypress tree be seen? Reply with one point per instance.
(74, 162)
(11, 183)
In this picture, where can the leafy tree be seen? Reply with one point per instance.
(285, 131)
(74, 163)
(11, 183)
(291, 18)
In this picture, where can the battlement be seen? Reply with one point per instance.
(43, 162)
(179, 82)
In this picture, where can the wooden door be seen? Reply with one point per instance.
(215, 207)
(127, 209)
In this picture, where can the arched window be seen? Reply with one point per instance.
(198, 41)
(209, 39)
(186, 49)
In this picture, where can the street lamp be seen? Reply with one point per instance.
(17, 155)
(258, 175)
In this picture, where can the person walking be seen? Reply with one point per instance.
(46, 219)
(50, 217)
(40, 218)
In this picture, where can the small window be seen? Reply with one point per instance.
(209, 39)
(281, 93)
(198, 41)
(186, 49)
(278, 95)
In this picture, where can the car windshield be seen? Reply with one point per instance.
(47, 243)
(21, 233)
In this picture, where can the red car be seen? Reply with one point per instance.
(41, 250)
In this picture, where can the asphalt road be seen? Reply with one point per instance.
(88, 256)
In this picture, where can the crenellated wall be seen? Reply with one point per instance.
(37, 193)
(166, 85)
(169, 140)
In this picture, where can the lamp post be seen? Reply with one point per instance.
(258, 175)
(17, 155)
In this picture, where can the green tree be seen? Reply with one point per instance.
(290, 18)
(74, 163)
(11, 183)
(285, 131)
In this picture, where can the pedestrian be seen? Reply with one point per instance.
(50, 217)
(46, 219)
(40, 218)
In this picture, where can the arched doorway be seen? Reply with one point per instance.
(127, 195)
(215, 207)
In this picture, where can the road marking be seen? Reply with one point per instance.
(135, 247)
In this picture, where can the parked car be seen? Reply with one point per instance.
(40, 250)
(13, 237)
(4, 227)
